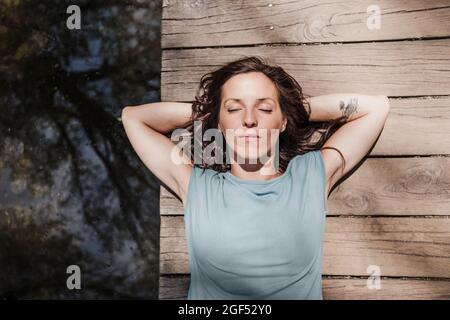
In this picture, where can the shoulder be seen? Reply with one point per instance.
(202, 177)
(202, 181)
(309, 164)
(308, 159)
(204, 173)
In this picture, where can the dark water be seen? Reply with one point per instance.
(72, 190)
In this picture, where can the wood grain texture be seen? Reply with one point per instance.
(412, 247)
(403, 187)
(380, 186)
(415, 126)
(200, 23)
(177, 286)
(403, 68)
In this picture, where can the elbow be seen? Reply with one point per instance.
(386, 102)
(383, 103)
(126, 112)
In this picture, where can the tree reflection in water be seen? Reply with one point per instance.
(73, 192)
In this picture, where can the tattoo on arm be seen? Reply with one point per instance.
(350, 108)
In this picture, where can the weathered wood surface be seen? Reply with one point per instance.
(403, 68)
(403, 187)
(176, 287)
(416, 126)
(410, 247)
(199, 23)
(380, 186)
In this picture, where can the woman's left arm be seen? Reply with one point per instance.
(365, 117)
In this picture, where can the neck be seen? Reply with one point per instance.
(255, 171)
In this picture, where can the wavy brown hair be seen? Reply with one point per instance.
(300, 135)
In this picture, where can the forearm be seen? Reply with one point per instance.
(350, 105)
(163, 117)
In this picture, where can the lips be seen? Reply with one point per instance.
(250, 133)
(250, 137)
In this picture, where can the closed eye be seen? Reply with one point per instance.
(264, 110)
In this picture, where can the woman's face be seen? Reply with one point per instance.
(249, 106)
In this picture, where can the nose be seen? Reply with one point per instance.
(249, 119)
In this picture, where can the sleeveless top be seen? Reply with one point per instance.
(254, 239)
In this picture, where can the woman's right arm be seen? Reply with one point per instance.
(145, 126)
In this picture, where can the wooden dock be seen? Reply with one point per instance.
(393, 211)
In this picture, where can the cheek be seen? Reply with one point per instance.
(226, 122)
(269, 134)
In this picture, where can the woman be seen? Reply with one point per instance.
(255, 229)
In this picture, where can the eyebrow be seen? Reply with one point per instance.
(239, 100)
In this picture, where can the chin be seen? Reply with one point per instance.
(252, 157)
(252, 153)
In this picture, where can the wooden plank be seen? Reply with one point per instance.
(193, 23)
(416, 126)
(397, 289)
(405, 68)
(414, 247)
(380, 186)
(176, 287)
(411, 247)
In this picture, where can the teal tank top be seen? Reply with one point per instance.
(254, 239)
